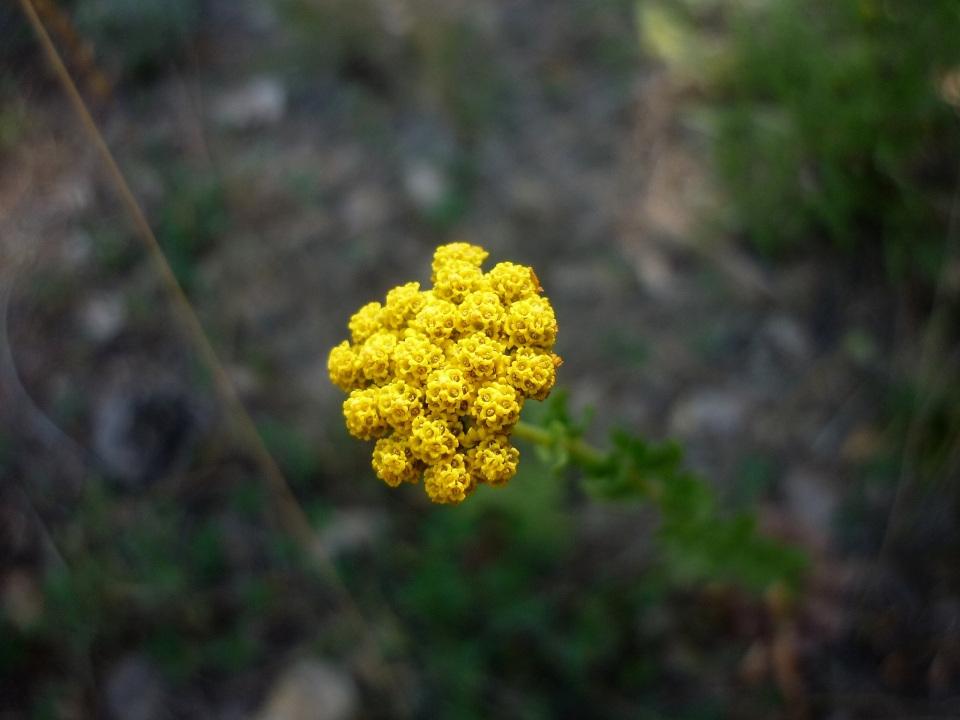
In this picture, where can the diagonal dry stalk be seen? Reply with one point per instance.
(291, 516)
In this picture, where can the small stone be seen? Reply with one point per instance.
(426, 185)
(352, 531)
(710, 412)
(260, 102)
(73, 195)
(813, 502)
(21, 598)
(747, 278)
(586, 281)
(135, 690)
(655, 272)
(311, 690)
(243, 379)
(77, 248)
(103, 317)
(530, 196)
(788, 338)
(141, 434)
(365, 209)
(677, 194)
(863, 444)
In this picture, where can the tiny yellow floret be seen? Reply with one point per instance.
(496, 406)
(513, 282)
(344, 367)
(437, 320)
(530, 323)
(448, 481)
(366, 322)
(493, 461)
(454, 281)
(403, 304)
(376, 357)
(448, 393)
(415, 358)
(393, 461)
(532, 373)
(481, 312)
(363, 415)
(440, 375)
(457, 252)
(431, 440)
(400, 403)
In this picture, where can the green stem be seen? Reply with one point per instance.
(582, 453)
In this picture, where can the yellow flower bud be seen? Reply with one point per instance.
(415, 357)
(400, 403)
(431, 440)
(455, 280)
(344, 367)
(394, 461)
(493, 461)
(366, 322)
(403, 304)
(448, 393)
(449, 482)
(363, 416)
(481, 358)
(376, 357)
(437, 320)
(457, 252)
(531, 323)
(532, 373)
(512, 282)
(496, 406)
(481, 312)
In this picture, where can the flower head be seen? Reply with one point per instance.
(440, 375)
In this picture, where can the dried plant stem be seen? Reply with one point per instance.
(291, 516)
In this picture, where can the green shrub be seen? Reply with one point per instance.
(137, 38)
(833, 126)
(438, 55)
(191, 219)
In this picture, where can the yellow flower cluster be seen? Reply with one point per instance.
(440, 376)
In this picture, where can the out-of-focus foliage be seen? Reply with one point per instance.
(836, 123)
(393, 49)
(508, 624)
(198, 587)
(191, 218)
(138, 38)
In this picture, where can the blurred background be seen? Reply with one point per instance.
(745, 215)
